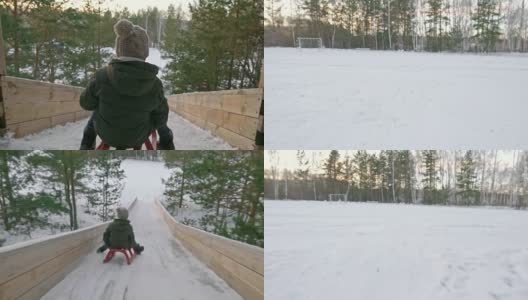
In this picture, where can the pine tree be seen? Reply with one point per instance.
(173, 28)
(317, 11)
(107, 184)
(437, 20)
(65, 169)
(430, 179)
(21, 209)
(362, 173)
(333, 169)
(303, 172)
(175, 185)
(229, 185)
(486, 23)
(466, 180)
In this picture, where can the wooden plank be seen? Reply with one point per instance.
(25, 90)
(25, 128)
(210, 253)
(261, 81)
(249, 286)
(248, 105)
(62, 119)
(47, 284)
(28, 280)
(242, 125)
(21, 258)
(249, 256)
(18, 112)
(216, 100)
(235, 140)
(83, 114)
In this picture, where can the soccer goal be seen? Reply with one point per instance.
(337, 197)
(305, 42)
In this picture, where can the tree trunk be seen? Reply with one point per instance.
(390, 35)
(522, 29)
(9, 187)
(393, 191)
(494, 193)
(182, 189)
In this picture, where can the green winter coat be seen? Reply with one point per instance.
(128, 101)
(119, 234)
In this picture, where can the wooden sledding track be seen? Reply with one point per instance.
(179, 262)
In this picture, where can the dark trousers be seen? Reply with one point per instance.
(90, 135)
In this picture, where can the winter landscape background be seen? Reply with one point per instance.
(48, 192)
(396, 224)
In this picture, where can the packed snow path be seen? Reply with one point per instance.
(165, 270)
(187, 136)
(338, 99)
(337, 250)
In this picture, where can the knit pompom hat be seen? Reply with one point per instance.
(122, 213)
(131, 40)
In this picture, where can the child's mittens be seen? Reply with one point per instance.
(123, 28)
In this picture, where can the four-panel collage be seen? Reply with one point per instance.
(133, 162)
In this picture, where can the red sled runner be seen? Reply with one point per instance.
(150, 144)
(129, 254)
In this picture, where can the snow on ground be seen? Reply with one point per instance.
(329, 250)
(328, 99)
(187, 136)
(164, 271)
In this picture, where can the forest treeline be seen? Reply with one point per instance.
(217, 45)
(419, 25)
(37, 185)
(427, 177)
(227, 185)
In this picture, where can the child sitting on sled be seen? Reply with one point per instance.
(126, 97)
(119, 234)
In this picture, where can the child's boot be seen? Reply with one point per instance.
(102, 249)
(165, 138)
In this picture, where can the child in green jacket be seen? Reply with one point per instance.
(127, 97)
(119, 234)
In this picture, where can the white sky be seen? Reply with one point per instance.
(288, 158)
(135, 5)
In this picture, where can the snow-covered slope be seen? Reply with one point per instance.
(164, 271)
(329, 250)
(339, 99)
(187, 136)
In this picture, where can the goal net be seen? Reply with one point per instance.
(304, 42)
(337, 197)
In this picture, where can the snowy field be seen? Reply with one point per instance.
(362, 99)
(323, 250)
(187, 136)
